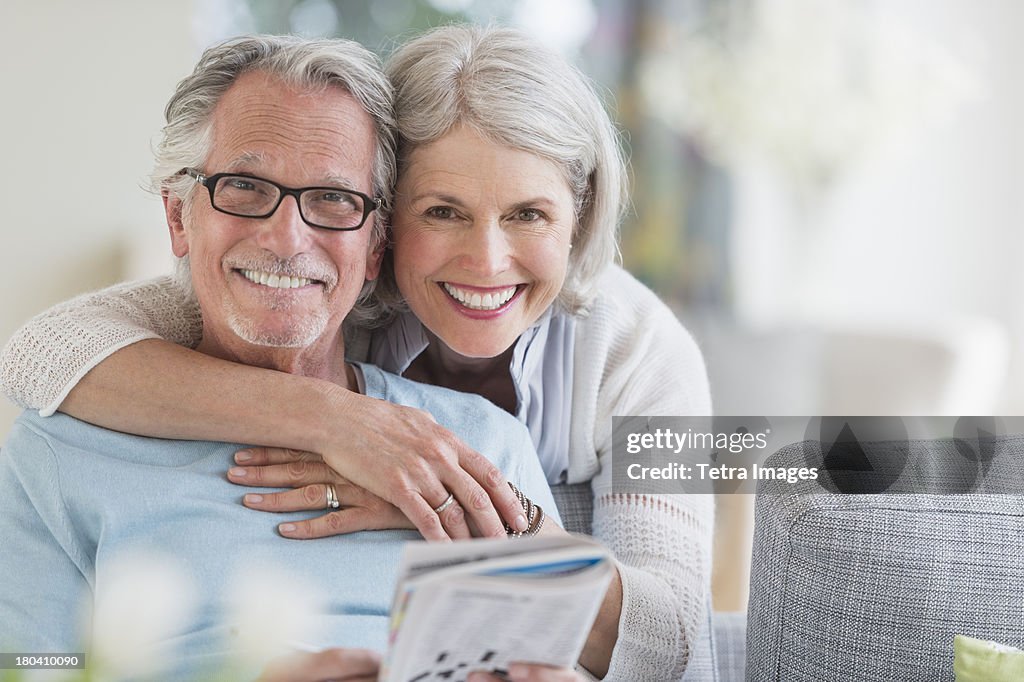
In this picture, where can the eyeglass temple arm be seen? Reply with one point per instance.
(194, 174)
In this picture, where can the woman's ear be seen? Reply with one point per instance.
(173, 206)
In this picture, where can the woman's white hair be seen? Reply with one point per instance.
(512, 90)
(302, 63)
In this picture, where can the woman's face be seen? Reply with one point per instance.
(482, 235)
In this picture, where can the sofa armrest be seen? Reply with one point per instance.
(876, 586)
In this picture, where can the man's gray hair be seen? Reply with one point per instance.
(302, 63)
(512, 90)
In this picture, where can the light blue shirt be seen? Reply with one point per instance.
(541, 369)
(73, 497)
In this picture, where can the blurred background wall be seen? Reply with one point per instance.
(828, 192)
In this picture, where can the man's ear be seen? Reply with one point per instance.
(173, 206)
(374, 259)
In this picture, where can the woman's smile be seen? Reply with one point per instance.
(478, 299)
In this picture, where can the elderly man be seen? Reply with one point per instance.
(284, 144)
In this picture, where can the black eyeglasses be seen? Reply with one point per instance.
(246, 196)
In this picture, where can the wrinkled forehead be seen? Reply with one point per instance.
(297, 136)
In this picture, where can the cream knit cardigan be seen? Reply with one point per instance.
(632, 357)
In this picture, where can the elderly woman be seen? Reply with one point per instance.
(500, 281)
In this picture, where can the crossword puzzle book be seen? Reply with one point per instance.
(482, 604)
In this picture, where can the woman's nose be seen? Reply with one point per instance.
(487, 250)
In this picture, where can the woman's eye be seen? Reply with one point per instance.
(528, 215)
(441, 212)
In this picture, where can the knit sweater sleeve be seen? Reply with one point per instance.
(639, 360)
(51, 353)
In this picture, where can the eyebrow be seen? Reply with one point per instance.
(455, 201)
(245, 162)
(241, 163)
(443, 198)
(340, 181)
(530, 203)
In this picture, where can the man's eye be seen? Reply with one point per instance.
(441, 212)
(336, 198)
(241, 184)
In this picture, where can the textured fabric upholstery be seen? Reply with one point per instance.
(730, 644)
(576, 507)
(874, 587)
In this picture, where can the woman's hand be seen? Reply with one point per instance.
(343, 665)
(309, 479)
(402, 455)
(527, 672)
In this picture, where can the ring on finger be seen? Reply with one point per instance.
(332, 497)
(448, 501)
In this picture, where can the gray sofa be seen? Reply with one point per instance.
(869, 587)
(873, 587)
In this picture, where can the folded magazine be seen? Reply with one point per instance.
(483, 604)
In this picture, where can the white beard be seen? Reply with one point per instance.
(301, 335)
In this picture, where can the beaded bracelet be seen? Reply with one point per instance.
(534, 515)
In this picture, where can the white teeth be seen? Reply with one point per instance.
(475, 301)
(275, 281)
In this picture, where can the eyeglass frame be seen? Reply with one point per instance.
(370, 204)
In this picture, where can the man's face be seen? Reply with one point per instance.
(277, 281)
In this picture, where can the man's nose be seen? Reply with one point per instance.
(487, 249)
(285, 233)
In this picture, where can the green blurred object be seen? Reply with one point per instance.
(978, 660)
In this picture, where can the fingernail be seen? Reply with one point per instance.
(243, 456)
(521, 523)
(236, 471)
(253, 499)
(476, 677)
(287, 528)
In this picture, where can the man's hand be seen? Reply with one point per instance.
(342, 665)
(272, 467)
(361, 665)
(309, 479)
(525, 672)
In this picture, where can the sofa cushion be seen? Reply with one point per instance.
(875, 587)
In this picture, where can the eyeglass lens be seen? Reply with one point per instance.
(319, 206)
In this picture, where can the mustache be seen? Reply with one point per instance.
(302, 265)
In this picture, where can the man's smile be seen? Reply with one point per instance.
(275, 281)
